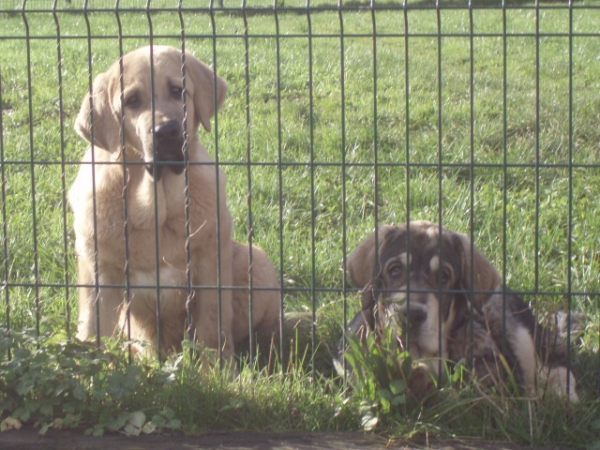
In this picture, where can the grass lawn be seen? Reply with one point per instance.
(486, 119)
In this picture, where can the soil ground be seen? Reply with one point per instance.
(29, 439)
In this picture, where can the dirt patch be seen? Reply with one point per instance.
(29, 438)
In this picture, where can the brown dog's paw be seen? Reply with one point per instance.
(578, 324)
(421, 385)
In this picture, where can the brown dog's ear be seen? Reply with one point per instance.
(203, 79)
(361, 265)
(486, 278)
(99, 116)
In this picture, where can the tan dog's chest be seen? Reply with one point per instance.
(130, 227)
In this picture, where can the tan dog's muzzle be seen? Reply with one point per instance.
(168, 149)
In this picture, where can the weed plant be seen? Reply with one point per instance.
(397, 392)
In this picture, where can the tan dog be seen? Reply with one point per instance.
(132, 226)
(448, 304)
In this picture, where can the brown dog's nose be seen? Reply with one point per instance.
(168, 131)
(413, 315)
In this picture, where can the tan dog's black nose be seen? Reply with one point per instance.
(168, 131)
(168, 151)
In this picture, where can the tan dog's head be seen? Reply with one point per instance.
(422, 275)
(148, 105)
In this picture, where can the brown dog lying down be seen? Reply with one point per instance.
(133, 229)
(449, 303)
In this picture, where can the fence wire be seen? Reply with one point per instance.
(480, 116)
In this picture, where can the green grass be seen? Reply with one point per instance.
(539, 226)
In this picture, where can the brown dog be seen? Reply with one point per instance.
(447, 303)
(138, 245)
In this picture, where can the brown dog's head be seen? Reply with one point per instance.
(148, 105)
(424, 276)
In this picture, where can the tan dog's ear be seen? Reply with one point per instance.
(106, 129)
(486, 278)
(203, 79)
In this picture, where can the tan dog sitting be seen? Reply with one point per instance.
(151, 216)
(447, 302)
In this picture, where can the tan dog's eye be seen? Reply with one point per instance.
(177, 92)
(132, 101)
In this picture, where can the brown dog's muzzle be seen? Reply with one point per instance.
(408, 314)
(168, 150)
(412, 315)
(409, 308)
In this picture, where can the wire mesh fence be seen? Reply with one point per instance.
(339, 117)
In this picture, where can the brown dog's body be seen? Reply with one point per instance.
(132, 226)
(448, 301)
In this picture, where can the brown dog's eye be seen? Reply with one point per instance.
(445, 276)
(395, 270)
(177, 92)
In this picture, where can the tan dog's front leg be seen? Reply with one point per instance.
(208, 321)
(98, 305)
